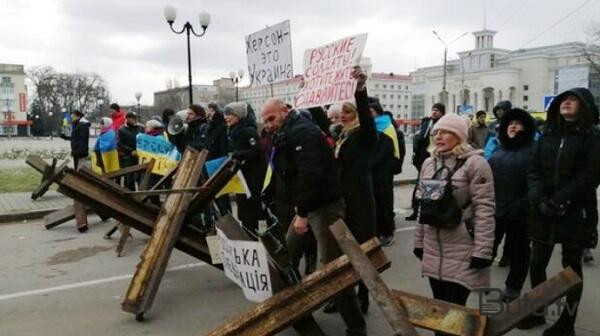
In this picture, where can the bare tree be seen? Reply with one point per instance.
(591, 51)
(53, 91)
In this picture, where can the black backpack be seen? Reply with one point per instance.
(437, 204)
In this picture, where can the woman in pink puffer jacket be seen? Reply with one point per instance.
(457, 260)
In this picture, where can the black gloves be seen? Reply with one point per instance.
(418, 252)
(480, 263)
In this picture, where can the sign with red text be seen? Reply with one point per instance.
(22, 102)
(269, 53)
(327, 72)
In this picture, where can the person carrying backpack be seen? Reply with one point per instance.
(455, 238)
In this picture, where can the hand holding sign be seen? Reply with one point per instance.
(300, 225)
(361, 78)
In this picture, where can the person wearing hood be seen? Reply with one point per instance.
(106, 157)
(333, 114)
(79, 138)
(422, 145)
(126, 144)
(562, 181)
(516, 135)
(244, 145)
(117, 115)
(456, 254)
(491, 143)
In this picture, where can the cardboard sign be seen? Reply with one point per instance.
(245, 263)
(269, 53)
(160, 149)
(327, 72)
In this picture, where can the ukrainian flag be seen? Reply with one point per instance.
(106, 158)
(269, 173)
(237, 184)
(385, 126)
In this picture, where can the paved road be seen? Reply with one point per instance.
(59, 282)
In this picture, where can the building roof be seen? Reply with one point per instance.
(390, 76)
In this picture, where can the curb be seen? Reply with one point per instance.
(6, 218)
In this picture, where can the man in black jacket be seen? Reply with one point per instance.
(562, 181)
(421, 144)
(79, 138)
(196, 118)
(304, 163)
(214, 138)
(127, 145)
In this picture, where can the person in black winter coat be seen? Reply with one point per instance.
(245, 146)
(214, 138)
(421, 143)
(79, 138)
(562, 181)
(516, 134)
(127, 144)
(196, 118)
(354, 151)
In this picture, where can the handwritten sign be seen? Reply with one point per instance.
(245, 263)
(327, 72)
(160, 149)
(269, 53)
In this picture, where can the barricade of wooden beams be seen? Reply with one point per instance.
(402, 310)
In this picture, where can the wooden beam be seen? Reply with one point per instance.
(149, 272)
(441, 316)
(49, 177)
(393, 311)
(126, 170)
(537, 299)
(291, 304)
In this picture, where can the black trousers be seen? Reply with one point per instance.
(571, 256)
(449, 292)
(500, 232)
(384, 212)
(517, 248)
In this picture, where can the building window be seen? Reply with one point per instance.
(525, 87)
(406, 107)
(377, 86)
(405, 97)
(391, 87)
(377, 95)
(525, 98)
(392, 96)
(406, 87)
(399, 106)
(384, 106)
(525, 107)
(384, 86)
(384, 96)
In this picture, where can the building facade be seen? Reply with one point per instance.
(485, 75)
(221, 91)
(13, 101)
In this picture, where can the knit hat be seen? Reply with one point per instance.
(238, 109)
(454, 123)
(152, 124)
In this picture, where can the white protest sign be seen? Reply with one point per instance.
(269, 53)
(327, 72)
(245, 263)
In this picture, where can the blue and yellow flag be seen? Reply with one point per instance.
(106, 149)
(269, 173)
(237, 184)
(385, 126)
(164, 153)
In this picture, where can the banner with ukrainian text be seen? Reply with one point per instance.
(165, 154)
(327, 72)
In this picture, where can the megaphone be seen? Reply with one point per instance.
(177, 125)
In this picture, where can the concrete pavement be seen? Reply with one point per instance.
(60, 282)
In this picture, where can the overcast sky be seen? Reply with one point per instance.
(131, 46)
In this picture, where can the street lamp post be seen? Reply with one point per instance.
(138, 95)
(236, 79)
(446, 45)
(204, 18)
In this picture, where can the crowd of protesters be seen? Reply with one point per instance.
(531, 184)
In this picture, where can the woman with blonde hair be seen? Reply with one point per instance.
(456, 211)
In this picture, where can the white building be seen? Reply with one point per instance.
(13, 100)
(485, 75)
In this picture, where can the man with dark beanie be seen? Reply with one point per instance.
(421, 144)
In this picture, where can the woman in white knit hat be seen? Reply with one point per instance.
(455, 238)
